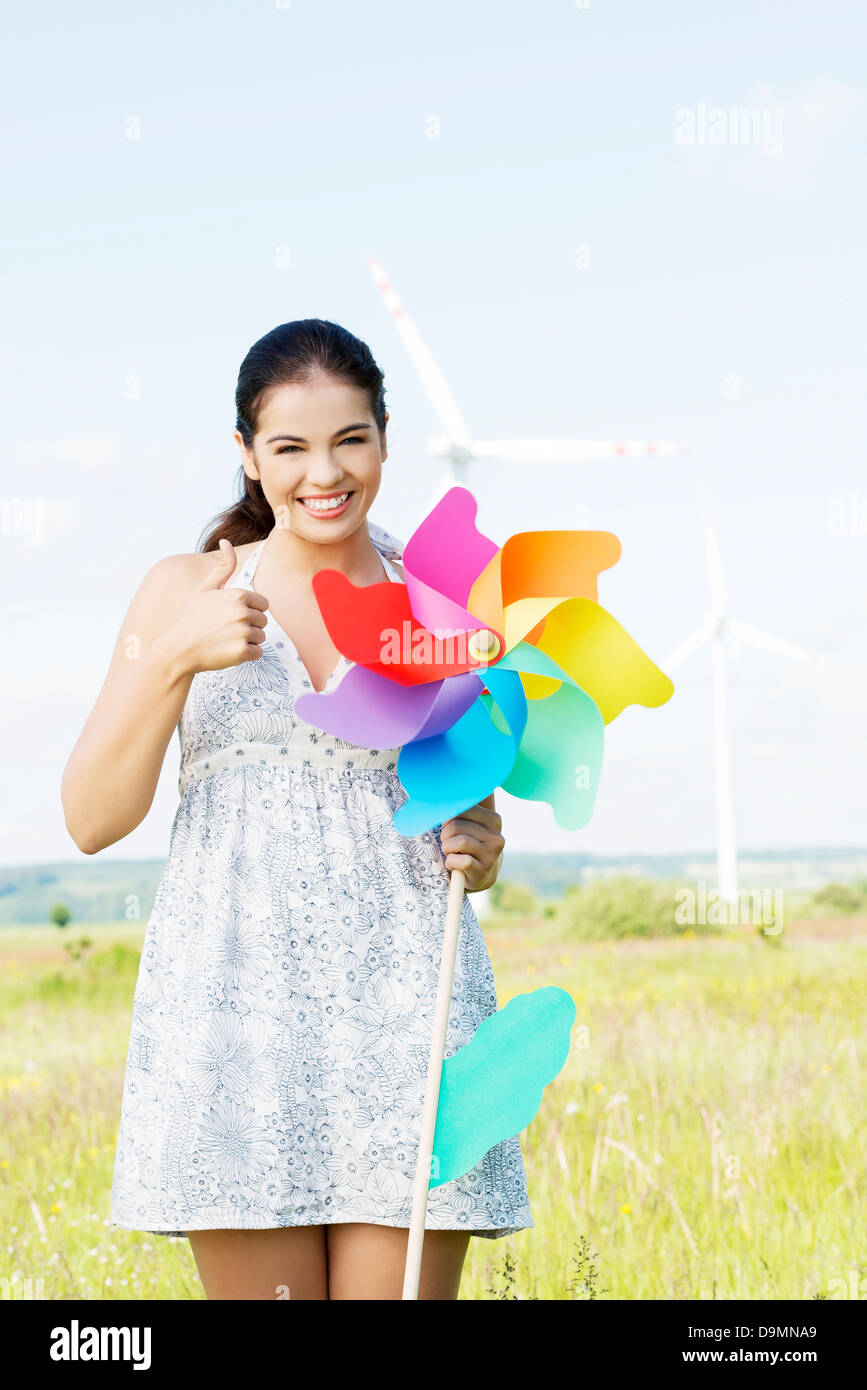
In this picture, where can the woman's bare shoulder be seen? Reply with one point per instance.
(175, 569)
(171, 580)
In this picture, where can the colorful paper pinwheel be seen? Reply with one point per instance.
(491, 666)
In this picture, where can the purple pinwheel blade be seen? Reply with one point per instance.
(373, 711)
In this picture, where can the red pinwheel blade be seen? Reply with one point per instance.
(373, 626)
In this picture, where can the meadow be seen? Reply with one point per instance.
(705, 1139)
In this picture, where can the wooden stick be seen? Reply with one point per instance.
(432, 1089)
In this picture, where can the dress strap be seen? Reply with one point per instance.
(248, 569)
(387, 544)
(389, 568)
(388, 547)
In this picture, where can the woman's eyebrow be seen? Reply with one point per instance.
(298, 439)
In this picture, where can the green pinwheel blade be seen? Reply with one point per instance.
(559, 758)
(492, 1088)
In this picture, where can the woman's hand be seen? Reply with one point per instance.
(217, 627)
(472, 843)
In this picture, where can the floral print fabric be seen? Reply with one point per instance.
(284, 1003)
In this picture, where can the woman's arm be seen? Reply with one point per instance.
(181, 620)
(109, 782)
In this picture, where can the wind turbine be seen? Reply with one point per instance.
(722, 632)
(455, 444)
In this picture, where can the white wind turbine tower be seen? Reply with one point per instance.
(722, 632)
(455, 444)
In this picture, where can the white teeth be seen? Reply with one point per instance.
(314, 505)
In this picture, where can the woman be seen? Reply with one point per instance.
(284, 1003)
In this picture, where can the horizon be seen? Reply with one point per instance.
(83, 861)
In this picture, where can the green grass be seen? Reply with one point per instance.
(704, 1140)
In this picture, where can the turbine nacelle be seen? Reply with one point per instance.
(443, 447)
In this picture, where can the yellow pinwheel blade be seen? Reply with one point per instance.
(520, 619)
(601, 657)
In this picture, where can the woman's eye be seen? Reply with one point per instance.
(295, 448)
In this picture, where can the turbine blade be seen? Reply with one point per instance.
(766, 642)
(435, 385)
(684, 649)
(564, 450)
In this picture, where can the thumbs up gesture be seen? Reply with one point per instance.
(218, 627)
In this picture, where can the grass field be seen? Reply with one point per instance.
(705, 1139)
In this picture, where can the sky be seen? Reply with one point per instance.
(607, 220)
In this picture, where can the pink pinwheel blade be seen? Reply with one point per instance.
(442, 561)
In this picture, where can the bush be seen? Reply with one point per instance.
(613, 908)
(844, 899)
(513, 898)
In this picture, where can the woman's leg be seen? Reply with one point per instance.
(289, 1262)
(366, 1262)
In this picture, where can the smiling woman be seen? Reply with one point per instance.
(291, 385)
(284, 1005)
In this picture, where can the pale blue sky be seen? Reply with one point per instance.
(713, 271)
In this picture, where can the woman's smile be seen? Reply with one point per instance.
(326, 504)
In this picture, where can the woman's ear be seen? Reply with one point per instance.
(247, 460)
(384, 446)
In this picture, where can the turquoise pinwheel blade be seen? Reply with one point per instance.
(449, 772)
(492, 1088)
(525, 657)
(564, 773)
(559, 759)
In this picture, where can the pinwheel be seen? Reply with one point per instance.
(491, 666)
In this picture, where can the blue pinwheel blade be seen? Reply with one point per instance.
(450, 772)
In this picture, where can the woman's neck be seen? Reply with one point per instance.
(295, 557)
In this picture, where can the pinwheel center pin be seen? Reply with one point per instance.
(484, 646)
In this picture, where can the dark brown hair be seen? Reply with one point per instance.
(290, 354)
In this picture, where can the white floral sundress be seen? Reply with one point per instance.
(284, 1003)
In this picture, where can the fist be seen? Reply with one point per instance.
(473, 843)
(219, 627)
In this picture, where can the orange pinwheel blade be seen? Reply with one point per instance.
(533, 572)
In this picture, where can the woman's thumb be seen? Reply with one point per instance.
(225, 566)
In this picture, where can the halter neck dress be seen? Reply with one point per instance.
(284, 1003)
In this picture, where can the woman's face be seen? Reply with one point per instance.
(317, 440)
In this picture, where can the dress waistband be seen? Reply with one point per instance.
(316, 757)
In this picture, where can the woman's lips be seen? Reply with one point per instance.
(329, 512)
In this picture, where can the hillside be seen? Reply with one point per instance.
(114, 890)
